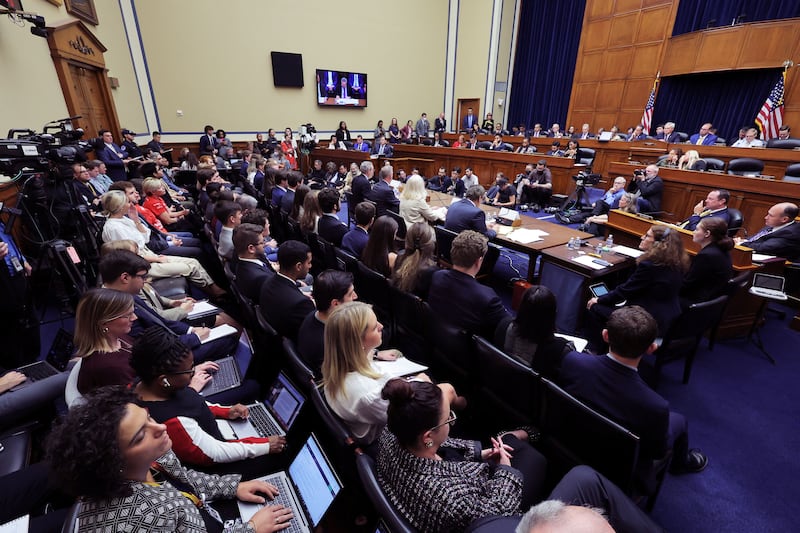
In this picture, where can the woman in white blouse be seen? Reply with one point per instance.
(413, 205)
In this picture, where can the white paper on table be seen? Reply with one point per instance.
(527, 236)
(18, 524)
(579, 343)
(588, 260)
(626, 250)
(218, 332)
(400, 367)
(763, 257)
(201, 308)
(504, 230)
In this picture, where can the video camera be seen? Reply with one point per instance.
(638, 173)
(584, 178)
(59, 143)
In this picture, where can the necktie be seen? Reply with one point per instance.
(760, 234)
(700, 139)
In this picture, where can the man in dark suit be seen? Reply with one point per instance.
(209, 142)
(466, 214)
(383, 194)
(715, 205)
(670, 135)
(330, 227)
(355, 240)
(440, 124)
(468, 121)
(361, 185)
(611, 384)
(704, 137)
(282, 179)
(19, 326)
(125, 271)
(780, 236)
(382, 148)
(287, 202)
(344, 90)
(585, 133)
(113, 156)
(284, 305)
(360, 145)
(252, 269)
(458, 297)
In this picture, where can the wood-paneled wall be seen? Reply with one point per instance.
(624, 43)
(621, 49)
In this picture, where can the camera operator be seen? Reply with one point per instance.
(650, 188)
(536, 185)
(18, 328)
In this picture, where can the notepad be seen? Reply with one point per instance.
(219, 332)
(588, 260)
(626, 250)
(400, 367)
(202, 308)
(15, 526)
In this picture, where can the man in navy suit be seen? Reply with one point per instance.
(466, 214)
(638, 134)
(611, 384)
(252, 269)
(330, 227)
(113, 156)
(458, 297)
(279, 190)
(383, 194)
(355, 240)
(209, 142)
(715, 205)
(468, 121)
(670, 135)
(382, 148)
(125, 271)
(284, 305)
(293, 180)
(361, 185)
(780, 236)
(704, 137)
(360, 145)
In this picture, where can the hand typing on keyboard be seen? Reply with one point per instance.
(238, 411)
(11, 380)
(276, 444)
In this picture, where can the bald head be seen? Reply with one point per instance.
(780, 214)
(553, 516)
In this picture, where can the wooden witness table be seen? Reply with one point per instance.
(557, 235)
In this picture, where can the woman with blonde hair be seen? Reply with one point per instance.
(687, 160)
(123, 223)
(352, 383)
(414, 267)
(413, 207)
(103, 322)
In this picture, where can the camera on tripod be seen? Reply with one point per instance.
(584, 178)
(59, 143)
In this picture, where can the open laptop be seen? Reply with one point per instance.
(308, 488)
(35, 372)
(768, 286)
(227, 377)
(273, 417)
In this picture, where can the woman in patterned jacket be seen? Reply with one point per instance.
(110, 453)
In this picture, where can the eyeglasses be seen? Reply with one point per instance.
(189, 372)
(130, 316)
(451, 420)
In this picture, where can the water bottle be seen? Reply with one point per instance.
(571, 243)
(598, 249)
(610, 241)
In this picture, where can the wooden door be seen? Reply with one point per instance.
(463, 105)
(89, 103)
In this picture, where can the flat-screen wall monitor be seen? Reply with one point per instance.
(341, 88)
(287, 69)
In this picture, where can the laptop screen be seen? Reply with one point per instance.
(765, 281)
(285, 401)
(314, 480)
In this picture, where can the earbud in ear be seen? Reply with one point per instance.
(166, 383)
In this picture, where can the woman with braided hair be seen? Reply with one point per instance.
(415, 266)
(164, 365)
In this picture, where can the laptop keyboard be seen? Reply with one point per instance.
(223, 379)
(261, 420)
(37, 372)
(284, 498)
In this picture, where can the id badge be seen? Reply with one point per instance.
(17, 265)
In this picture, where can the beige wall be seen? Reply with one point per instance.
(472, 59)
(508, 14)
(217, 69)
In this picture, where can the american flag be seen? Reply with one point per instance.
(647, 116)
(770, 117)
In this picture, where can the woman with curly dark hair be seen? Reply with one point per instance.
(164, 365)
(380, 252)
(122, 466)
(654, 285)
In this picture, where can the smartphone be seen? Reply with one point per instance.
(598, 289)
